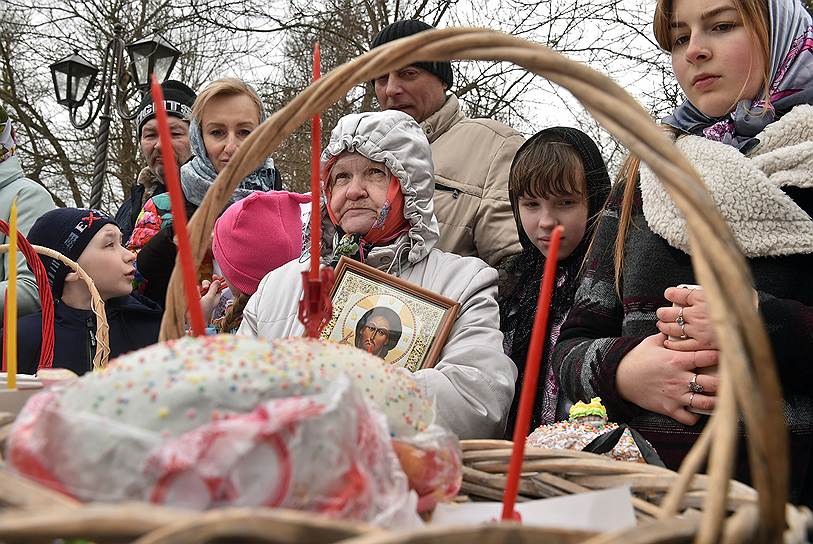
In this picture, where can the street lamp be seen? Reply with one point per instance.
(152, 55)
(75, 77)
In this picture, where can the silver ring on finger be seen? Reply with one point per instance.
(680, 321)
(691, 399)
(683, 336)
(695, 387)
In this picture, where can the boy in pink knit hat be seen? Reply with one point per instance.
(253, 237)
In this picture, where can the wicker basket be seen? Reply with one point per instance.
(36, 514)
(749, 384)
(491, 534)
(549, 473)
(749, 387)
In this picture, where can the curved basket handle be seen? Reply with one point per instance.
(749, 383)
(102, 328)
(46, 297)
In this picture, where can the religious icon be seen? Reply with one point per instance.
(402, 323)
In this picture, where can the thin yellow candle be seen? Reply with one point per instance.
(11, 301)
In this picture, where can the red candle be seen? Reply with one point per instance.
(190, 276)
(316, 219)
(532, 363)
(315, 307)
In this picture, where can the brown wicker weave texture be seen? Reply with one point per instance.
(749, 383)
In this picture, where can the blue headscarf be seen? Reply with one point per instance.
(791, 42)
(198, 174)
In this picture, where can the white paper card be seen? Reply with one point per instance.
(24, 381)
(596, 511)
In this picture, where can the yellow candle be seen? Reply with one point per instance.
(11, 301)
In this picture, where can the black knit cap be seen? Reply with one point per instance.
(68, 231)
(409, 27)
(178, 100)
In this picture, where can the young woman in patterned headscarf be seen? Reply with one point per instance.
(746, 67)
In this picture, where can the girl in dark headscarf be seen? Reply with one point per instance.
(557, 177)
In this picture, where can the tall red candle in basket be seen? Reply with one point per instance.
(190, 276)
(528, 394)
(316, 219)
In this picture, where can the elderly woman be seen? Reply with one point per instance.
(377, 182)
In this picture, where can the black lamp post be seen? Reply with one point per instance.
(74, 78)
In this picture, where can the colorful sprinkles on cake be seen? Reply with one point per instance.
(178, 385)
(587, 421)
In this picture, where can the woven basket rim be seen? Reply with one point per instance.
(749, 382)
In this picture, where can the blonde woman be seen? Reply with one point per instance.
(223, 116)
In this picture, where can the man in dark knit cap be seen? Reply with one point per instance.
(472, 157)
(178, 100)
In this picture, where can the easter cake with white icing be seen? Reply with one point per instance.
(154, 406)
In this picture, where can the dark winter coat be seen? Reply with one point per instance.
(134, 323)
(602, 328)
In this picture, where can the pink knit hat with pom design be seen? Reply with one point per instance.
(256, 235)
